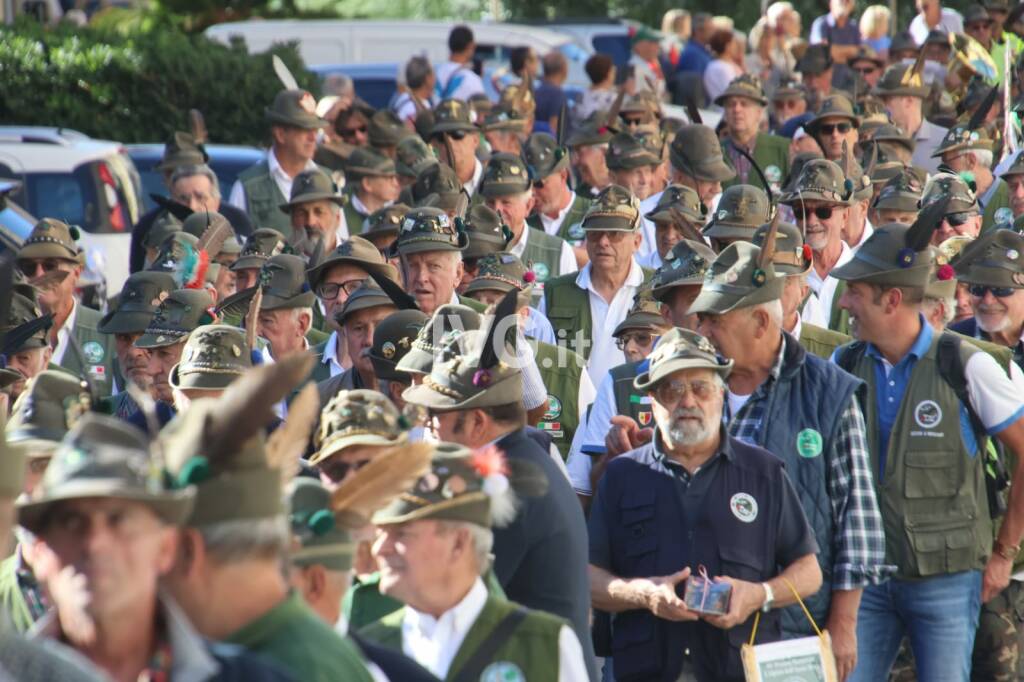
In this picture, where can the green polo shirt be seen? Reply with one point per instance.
(291, 634)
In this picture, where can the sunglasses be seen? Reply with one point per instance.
(958, 219)
(454, 134)
(351, 132)
(999, 292)
(822, 212)
(829, 128)
(643, 339)
(329, 290)
(30, 267)
(336, 469)
(671, 392)
(866, 70)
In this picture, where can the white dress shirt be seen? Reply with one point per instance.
(826, 288)
(605, 317)
(474, 182)
(649, 242)
(552, 225)
(281, 408)
(64, 335)
(281, 179)
(434, 642)
(566, 259)
(330, 356)
(869, 229)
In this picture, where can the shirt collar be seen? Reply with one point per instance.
(358, 204)
(331, 350)
(458, 619)
(274, 166)
(478, 170)
(921, 344)
(724, 448)
(634, 279)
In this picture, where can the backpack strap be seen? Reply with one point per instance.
(484, 654)
(453, 83)
(849, 355)
(953, 372)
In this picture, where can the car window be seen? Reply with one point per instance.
(615, 46)
(376, 91)
(65, 196)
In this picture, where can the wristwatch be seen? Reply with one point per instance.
(1006, 551)
(769, 598)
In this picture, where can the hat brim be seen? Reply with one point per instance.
(313, 275)
(641, 321)
(46, 250)
(660, 292)
(812, 125)
(363, 303)
(173, 507)
(652, 377)
(306, 122)
(9, 376)
(160, 340)
(340, 200)
(607, 224)
(718, 230)
(248, 262)
(714, 170)
(469, 507)
(451, 127)
(424, 396)
(304, 300)
(202, 381)
(719, 302)
(336, 445)
(763, 101)
(488, 284)
(857, 270)
(125, 322)
(416, 361)
(424, 245)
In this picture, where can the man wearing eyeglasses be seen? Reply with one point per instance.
(358, 319)
(262, 188)
(969, 154)
(455, 140)
(50, 258)
(995, 281)
(743, 104)
(734, 503)
(835, 126)
(962, 217)
(333, 281)
(820, 201)
(868, 64)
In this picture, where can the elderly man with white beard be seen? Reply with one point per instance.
(733, 500)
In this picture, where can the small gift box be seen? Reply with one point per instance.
(704, 595)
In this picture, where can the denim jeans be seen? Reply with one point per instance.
(939, 615)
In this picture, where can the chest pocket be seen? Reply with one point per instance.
(569, 319)
(639, 532)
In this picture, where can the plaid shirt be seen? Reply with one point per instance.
(740, 162)
(859, 548)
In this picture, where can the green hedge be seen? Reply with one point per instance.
(137, 87)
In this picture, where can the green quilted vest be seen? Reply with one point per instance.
(562, 371)
(932, 496)
(567, 308)
(353, 218)
(997, 210)
(95, 354)
(532, 647)
(821, 342)
(543, 255)
(772, 154)
(263, 199)
(839, 319)
(628, 400)
(573, 219)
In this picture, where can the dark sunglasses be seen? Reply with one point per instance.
(454, 134)
(538, 184)
(829, 128)
(29, 267)
(958, 219)
(351, 132)
(999, 292)
(865, 70)
(643, 339)
(329, 290)
(822, 212)
(336, 469)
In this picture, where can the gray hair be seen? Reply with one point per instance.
(984, 157)
(417, 70)
(233, 541)
(182, 172)
(482, 539)
(339, 85)
(948, 304)
(773, 309)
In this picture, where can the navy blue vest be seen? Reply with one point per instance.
(648, 537)
(800, 426)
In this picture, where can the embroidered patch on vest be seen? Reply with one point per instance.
(502, 671)
(928, 414)
(744, 507)
(808, 443)
(93, 352)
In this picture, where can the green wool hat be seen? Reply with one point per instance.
(412, 155)
(452, 115)
(51, 238)
(994, 259)
(697, 152)
(897, 255)
(683, 199)
(626, 151)
(214, 356)
(502, 272)
(259, 246)
(384, 222)
(163, 226)
(358, 417)
(592, 131)
(900, 79)
(137, 303)
(684, 265)
(392, 340)
(1016, 166)
(296, 108)
(26, 326)
(796, 166)
(366, 162)
(741, 276)
(318, 538)
(429, 229)
(902, 192)
(472, 370)
(52, 402)
(741, 210)
(368, 295)
(677, 350)
(200, 221)
(312, 185)
(744, 85)
(283, 280)
(821, 180)
(182, 150)
(833, 106)
(176, 317)
(645, 315)
(436, 186)
(792, 256)
(386, 129)
(460, 486)
(357, 251)
(953, 187)
(960, 138)
(486, 232)
(615, 209)
(447, 321)
(544, 156)
(644, 32)
(103, 457)
(505, 175)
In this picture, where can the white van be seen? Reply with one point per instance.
(330, 41)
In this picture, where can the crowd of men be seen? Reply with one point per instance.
(471, 390)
